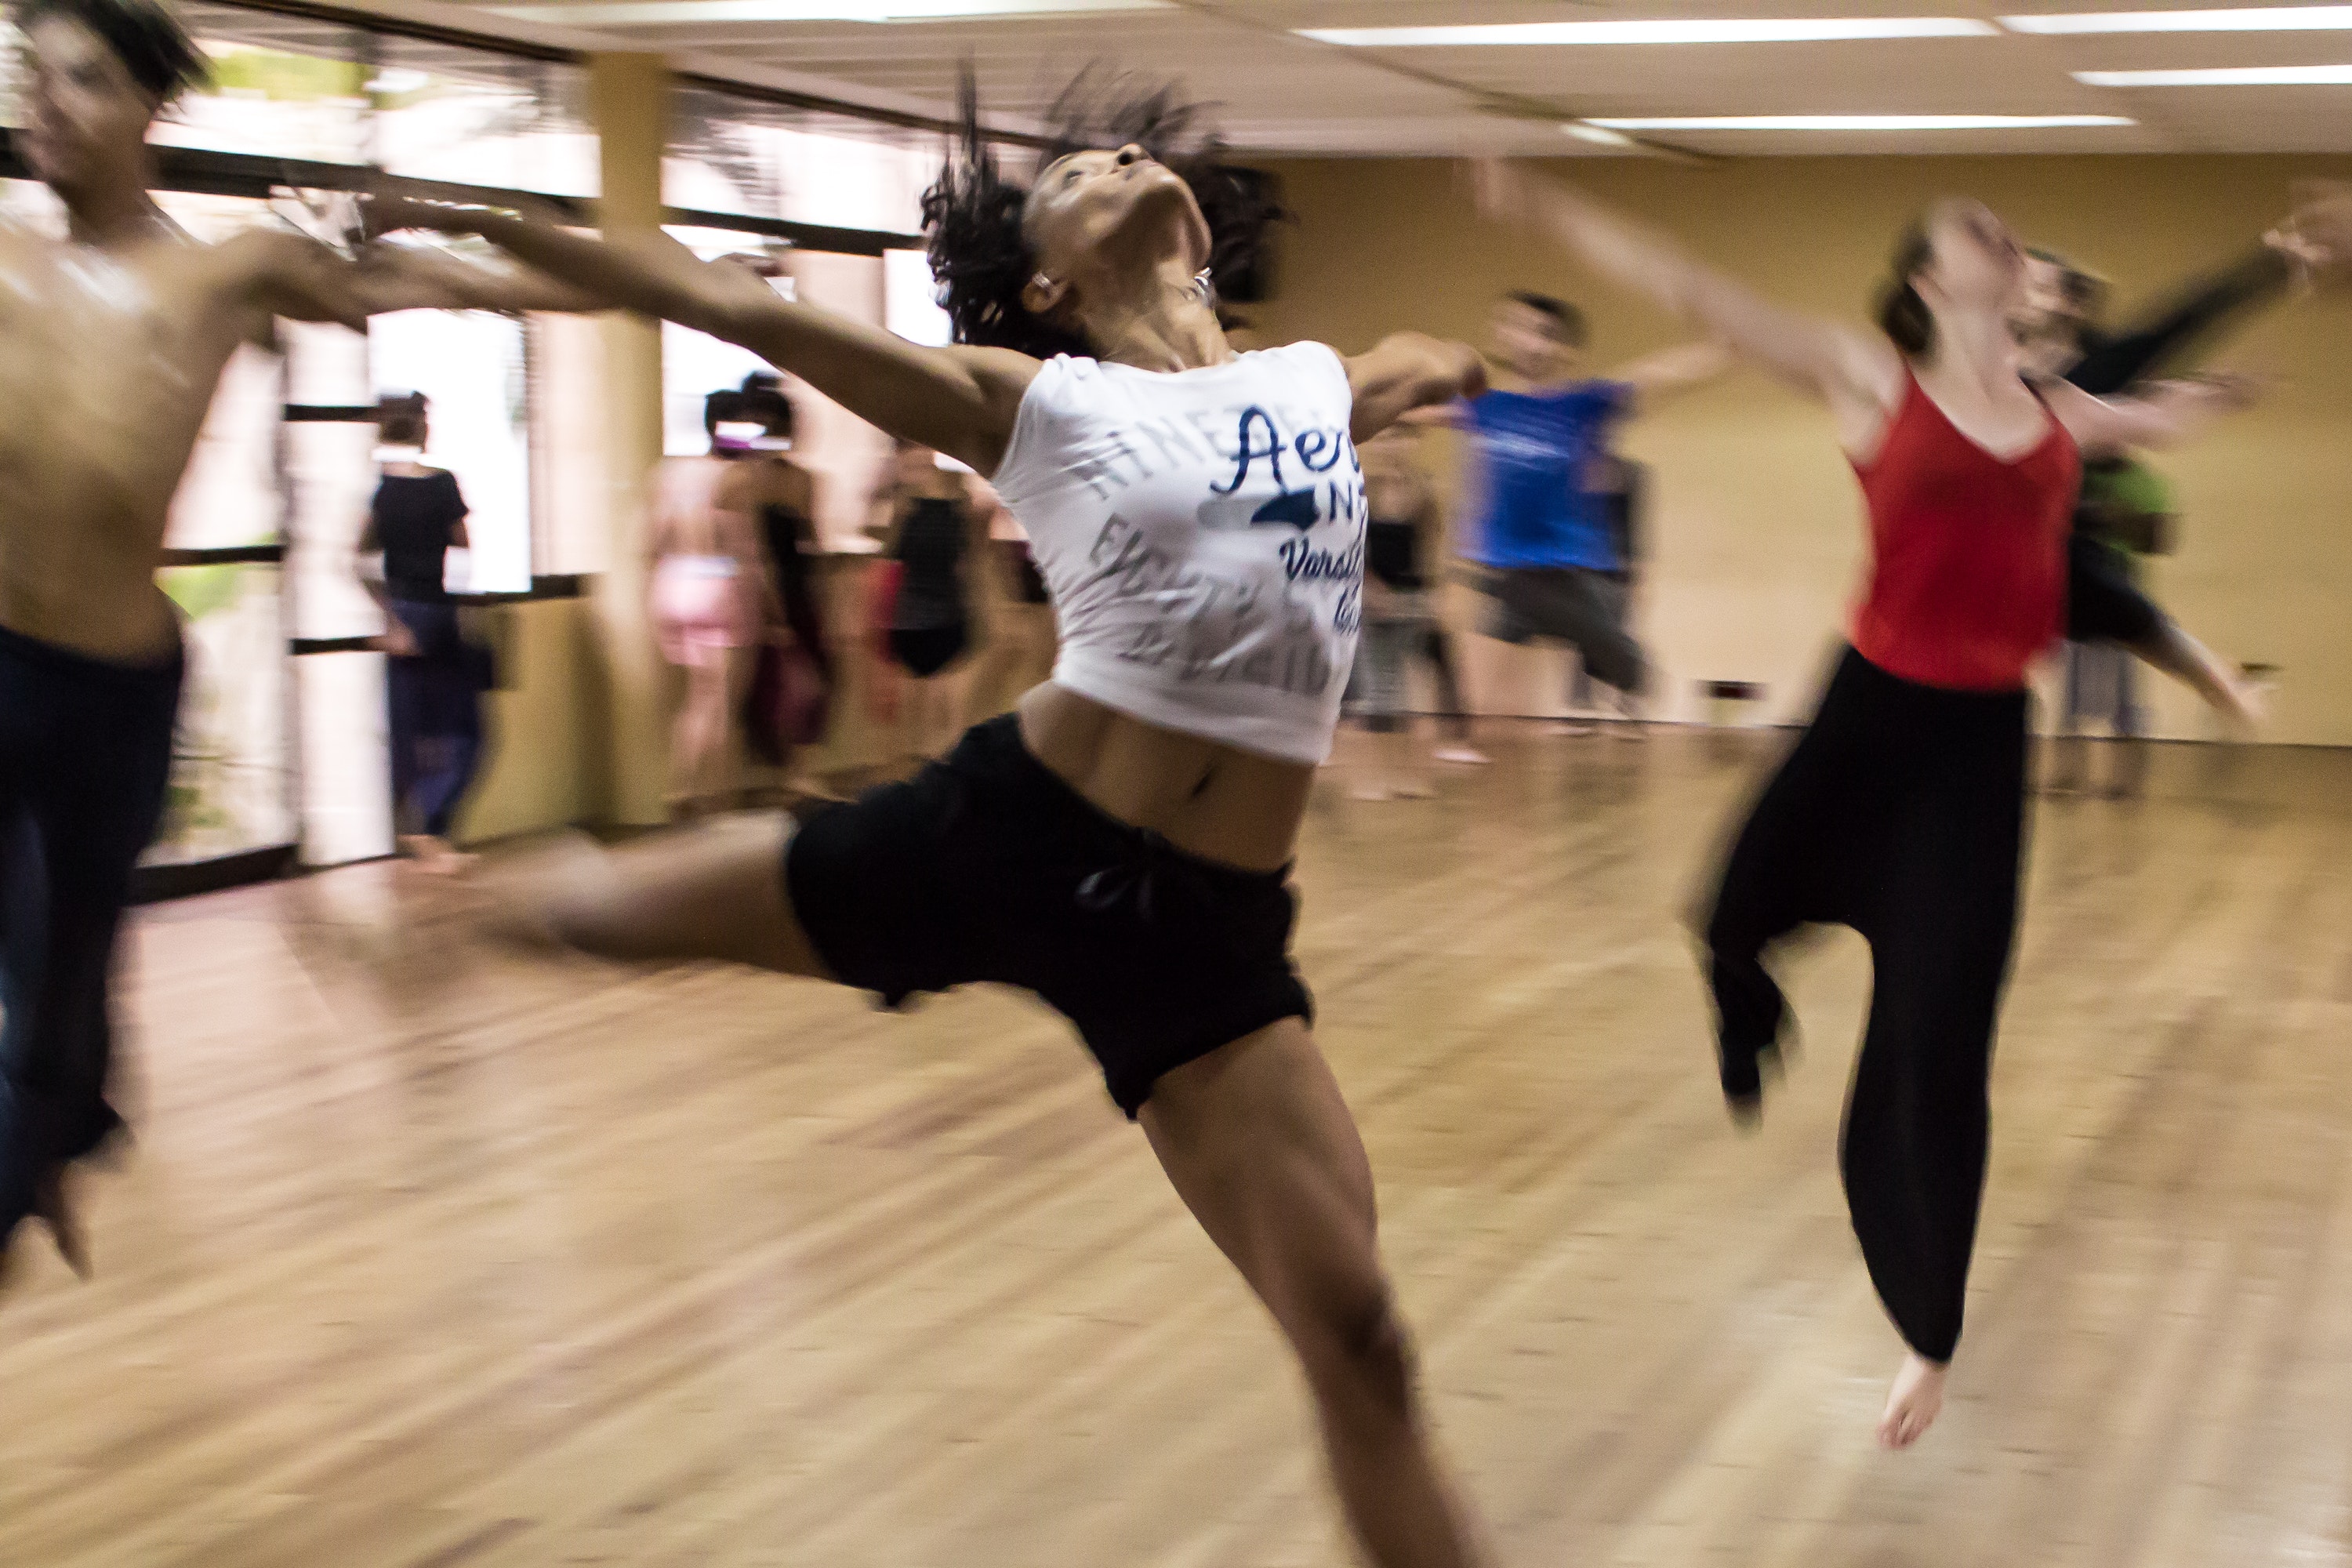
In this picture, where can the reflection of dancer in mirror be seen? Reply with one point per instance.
(710, 593)
(434, 678)
(930, 521)
(1120, 845)
(115, 340)
(1541, 531)
(1406, 532)
(791, 684)
(1901, 813)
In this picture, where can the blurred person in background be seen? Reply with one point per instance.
(792, 685)
(433, 677)
(710, 594)
(1541, 532)
(931, 519)
(2059, 328)
(1622, 485)
(1403, 533)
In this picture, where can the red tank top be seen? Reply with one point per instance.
(1967, 577)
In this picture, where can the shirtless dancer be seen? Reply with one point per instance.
(115, 340)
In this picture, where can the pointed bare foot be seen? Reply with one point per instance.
(54, 1204)
(1914, 1401)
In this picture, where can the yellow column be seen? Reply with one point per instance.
(629, 101)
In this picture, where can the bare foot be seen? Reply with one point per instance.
(1914, 1401)
(2245, 712)
(53, 1207)
(1465, 755)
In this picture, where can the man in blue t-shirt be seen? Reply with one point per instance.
(1538, 446)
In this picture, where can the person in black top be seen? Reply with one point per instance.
(434, 678)
(930, 522)
(1402, 532)
(2063, 338)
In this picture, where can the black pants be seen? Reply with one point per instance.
(85, 754)
(435, 697)
(1901, 813)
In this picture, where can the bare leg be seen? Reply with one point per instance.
(2174, 651)
(709, 892)
(1261, 1148)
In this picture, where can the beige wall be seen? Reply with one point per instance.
(1754, 519)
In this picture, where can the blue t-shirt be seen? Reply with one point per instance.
(1535, 449)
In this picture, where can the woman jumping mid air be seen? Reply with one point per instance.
(1120, 845)
(1901, 812)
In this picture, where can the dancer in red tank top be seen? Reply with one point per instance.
(1901, 812)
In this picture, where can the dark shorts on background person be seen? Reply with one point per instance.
(85, 759)
(924, 651)
(986, 867)
(1578, 606)
(2103, 603)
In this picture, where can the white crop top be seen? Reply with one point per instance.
(1202, 534)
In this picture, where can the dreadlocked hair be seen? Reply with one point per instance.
(979, 249)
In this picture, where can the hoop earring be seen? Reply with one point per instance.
(1205, 288)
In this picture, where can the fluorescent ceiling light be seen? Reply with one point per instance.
(1599, 135)
(2254, 19)
(1868, 123)
(680, 13)
(1760, 30)
(2224, 76)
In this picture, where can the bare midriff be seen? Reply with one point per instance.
(1209, 800)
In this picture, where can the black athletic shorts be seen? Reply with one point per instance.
(2102, 603)
(924, 651)
(986, 867)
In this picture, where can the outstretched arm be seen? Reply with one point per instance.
(2315, 237)
(389, 277)
(1406, 372)
(1670, 371)
(278, 273)
(960, 401)
(1855, 374)
(2167, 414)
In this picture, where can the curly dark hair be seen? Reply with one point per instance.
(148, 39)
(972, 215)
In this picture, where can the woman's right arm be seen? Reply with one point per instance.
(960, 401)
(1849, 370)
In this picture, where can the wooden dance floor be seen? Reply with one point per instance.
(429, 1259)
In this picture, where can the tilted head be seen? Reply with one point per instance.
(1959, 260)
(96, 74)
(1130, 193)
(1537, 336)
